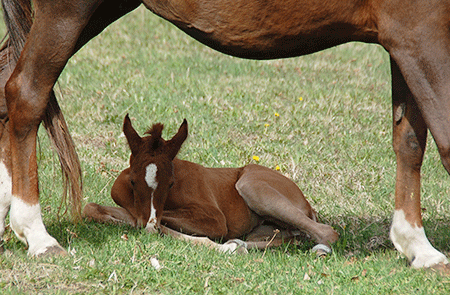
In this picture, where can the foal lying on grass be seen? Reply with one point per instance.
(191, 202)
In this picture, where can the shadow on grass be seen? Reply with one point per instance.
(366, 235)
(359, 236)
(93, 233)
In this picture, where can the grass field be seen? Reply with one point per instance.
(324, 119)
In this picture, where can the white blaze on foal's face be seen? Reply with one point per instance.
(150, 176)
(150, 179)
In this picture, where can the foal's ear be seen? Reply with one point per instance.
(133, 138)
(174, 145)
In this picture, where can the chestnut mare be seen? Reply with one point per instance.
(187, 200)
(43, 36)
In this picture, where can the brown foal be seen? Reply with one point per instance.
(192, 202)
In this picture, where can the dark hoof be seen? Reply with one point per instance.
(441, 268)
(52, 252)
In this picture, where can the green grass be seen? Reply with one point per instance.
(335, 143)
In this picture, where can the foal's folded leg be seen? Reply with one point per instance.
(199, 225)
(263, 190)
(108, 214)
(231, 246)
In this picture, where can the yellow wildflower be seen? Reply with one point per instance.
(266, 125)
(277, 168)
(277, 115)
(300, 98)
(256, 158)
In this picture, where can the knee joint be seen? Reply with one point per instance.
(25, 101)
(408, 147)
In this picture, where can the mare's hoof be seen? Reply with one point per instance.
(321, 250)
(441, 268)
(52, 251)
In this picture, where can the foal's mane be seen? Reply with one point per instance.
(156, 130)
(155, 133)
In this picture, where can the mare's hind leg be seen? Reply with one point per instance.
(57, 32)
(49, 44)
(5, 156)
(420, 61)
(276, 198)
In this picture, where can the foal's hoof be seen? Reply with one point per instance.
(321, 250)
(235, 246)
(52, 251)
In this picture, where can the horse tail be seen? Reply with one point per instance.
(18, 16)
(59, 135)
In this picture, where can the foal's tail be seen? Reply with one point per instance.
(18, 15)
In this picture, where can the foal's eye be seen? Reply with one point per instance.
(170, 185)
(132, 182)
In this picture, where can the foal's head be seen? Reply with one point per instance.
(151, 169)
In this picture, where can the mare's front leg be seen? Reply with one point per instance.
(420, 64)
(409, 141)
(49, 45)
